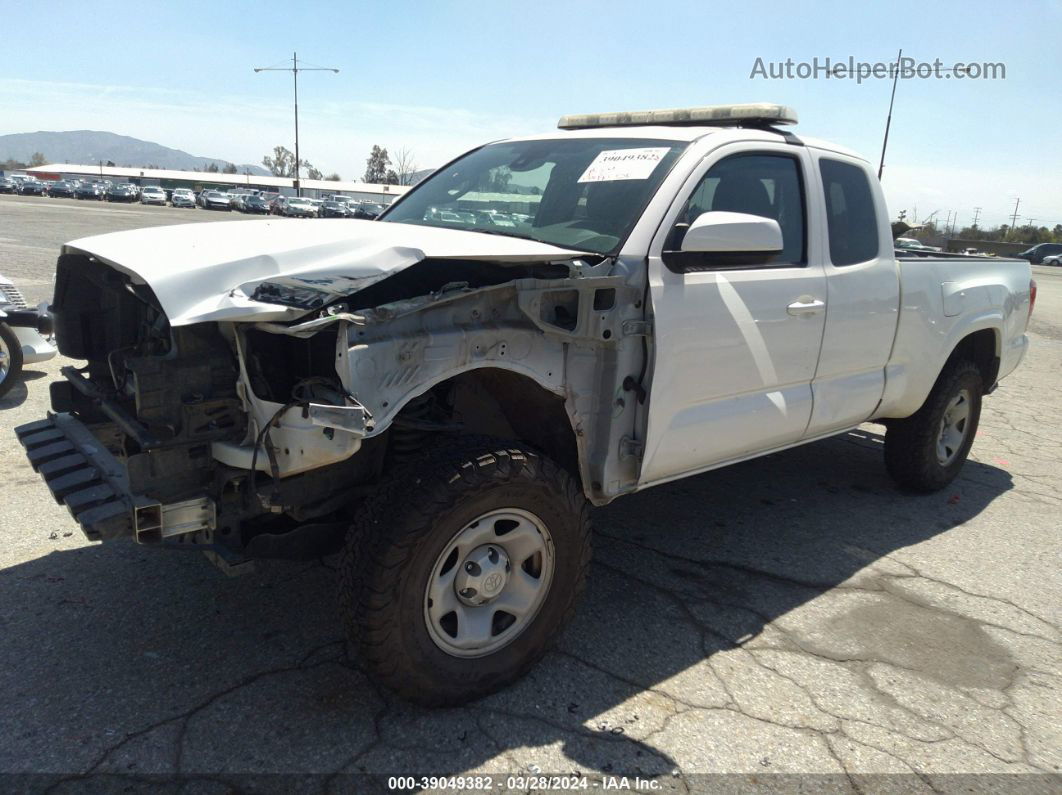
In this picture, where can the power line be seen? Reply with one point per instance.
(295, 69)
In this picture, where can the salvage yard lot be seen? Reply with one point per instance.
(794, 614)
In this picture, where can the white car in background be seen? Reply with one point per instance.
(182, 197)
(152, 194)
(20, 342)
(1054, 259)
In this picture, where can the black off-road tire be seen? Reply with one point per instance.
(911, 443)
(397, 537)
(14, 365)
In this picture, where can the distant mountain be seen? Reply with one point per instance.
(90, 146)
(417, 176)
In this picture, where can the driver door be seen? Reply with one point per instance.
(735, 342)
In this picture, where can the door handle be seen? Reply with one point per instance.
(805, 305)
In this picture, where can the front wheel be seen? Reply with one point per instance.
(455, 578)
(10, 358)
(925, 451)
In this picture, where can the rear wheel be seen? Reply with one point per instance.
(925, 451)
(10, 358)
(456, 578)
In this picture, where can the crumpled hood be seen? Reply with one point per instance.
(207, 271)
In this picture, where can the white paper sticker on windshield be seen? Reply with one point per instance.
(616, 164)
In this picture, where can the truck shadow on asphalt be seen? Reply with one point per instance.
(18, 393)
(122, 659)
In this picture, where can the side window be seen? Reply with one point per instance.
(759, 184)
(850, 218)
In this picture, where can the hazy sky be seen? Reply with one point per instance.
(441, 77)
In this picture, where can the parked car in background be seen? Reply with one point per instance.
(152, 194)
(120, 193)
(298, 207)
(368, 210)
(89, 190)
(182, 197)
(910, 244)
(1052, 259)
(255, 204)
(1036, 254)
(334, 209)
(31, 187)
(215, 200)
(61, 188)
(21, 340)
(7, 185)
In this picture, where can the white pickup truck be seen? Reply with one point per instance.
(543, 324)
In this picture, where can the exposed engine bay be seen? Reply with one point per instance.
(258, 438)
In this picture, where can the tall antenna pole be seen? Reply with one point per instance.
(295, 69)
(888, 121)
(1014, 218)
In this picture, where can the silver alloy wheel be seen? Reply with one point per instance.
(489, 582)
(953, 426)
(5, 361)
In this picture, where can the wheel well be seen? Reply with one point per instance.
(507, 405)
(980, 347)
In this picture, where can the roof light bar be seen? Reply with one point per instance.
(750, 114)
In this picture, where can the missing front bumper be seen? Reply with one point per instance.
(85, 477)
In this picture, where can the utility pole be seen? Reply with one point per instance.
(1014, 218)
(977, 214)
(295, 69)
(888, 120)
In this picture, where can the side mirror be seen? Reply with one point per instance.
(742, 234)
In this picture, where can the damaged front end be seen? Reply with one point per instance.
(257, 435)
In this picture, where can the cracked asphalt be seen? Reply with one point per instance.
(792, 622)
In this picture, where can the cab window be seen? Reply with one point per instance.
(850, 218)
(770, 186)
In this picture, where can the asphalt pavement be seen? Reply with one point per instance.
(792, 622)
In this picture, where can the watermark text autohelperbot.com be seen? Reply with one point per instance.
(851, 69)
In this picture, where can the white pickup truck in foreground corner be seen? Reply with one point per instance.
(544, 323)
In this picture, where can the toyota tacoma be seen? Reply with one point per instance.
(544, 324)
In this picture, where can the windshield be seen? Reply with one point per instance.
(580, 193)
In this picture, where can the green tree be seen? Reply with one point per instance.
(333, 177)
(37, 159)
(212, 168)
(230, 168)
(377, 166)
(282, 163)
